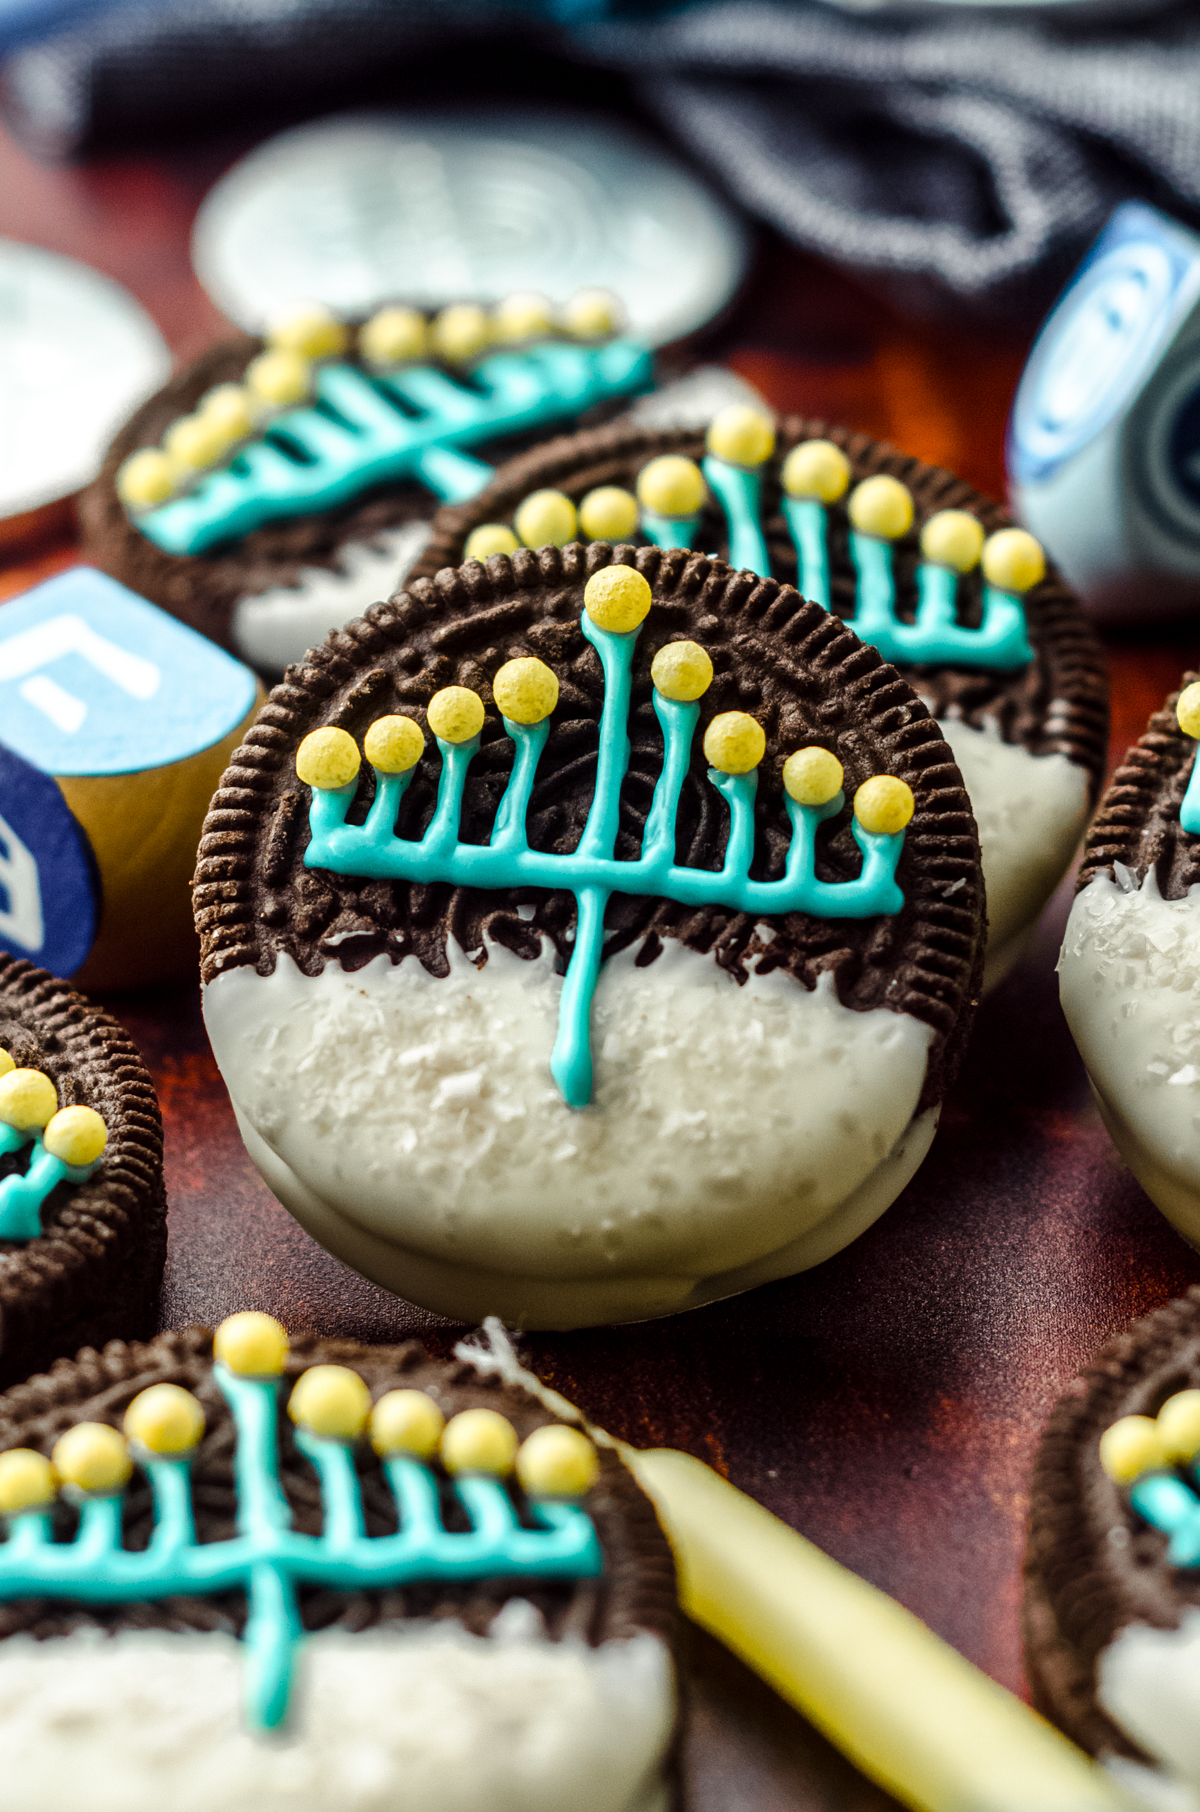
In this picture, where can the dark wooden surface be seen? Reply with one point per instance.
(886, 1404)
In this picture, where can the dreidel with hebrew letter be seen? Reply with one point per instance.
(116, 722)
(1104, 440)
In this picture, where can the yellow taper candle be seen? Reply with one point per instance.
(909, 1710)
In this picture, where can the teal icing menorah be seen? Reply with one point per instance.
(1147, 1455)
(616, 600)
(672, 490)
(1187, 715)
(268, 1559)
(65, 1146)
(364, 428)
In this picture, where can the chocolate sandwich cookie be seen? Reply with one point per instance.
(83, 1218)
(243, 1571)
(1130, 964)
(920, 565)
(589, 935)
(1112, 1570)
(277, 487)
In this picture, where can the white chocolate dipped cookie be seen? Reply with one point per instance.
(436, 1594)
(920, 565)
(587, 939)
(1112, 1568)
(1129, 972)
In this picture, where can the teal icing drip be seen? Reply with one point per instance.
(270, 1561)
(23, 1196)
(1000, 643)
(1189, 810)
(367, 429)
(1163, 1500)
(373, 850)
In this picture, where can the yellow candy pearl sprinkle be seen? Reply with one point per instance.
(407, 1421)
(525, 315)
(394, 336)
(881, 506)
(75, 1135)
(525, 690)
(309, 330)
(26, 1481)
(592, 314)
(816, 468)
(479, 1440)
(682, 670)
(671, 486)
(461, 332)
(488, 539)
(1130, 1447)
(734, 743)
(276, 379)
(1179, 1426)
(742, 435)
(393, 745)
(546, 519)
(813, 776)
(1013, 560)
(28, 1099)
(953, 538)
(165, 1418)
(609, 514)
(195, 441)
(1187, 709)
(557, 1461)
(251, 1344)
(6, 1063)
(456, 714)
(617, 598)
(145, 478)
(328, 759)
(227, 406)
(331, 1400)
(92, 1457)
(884, 805)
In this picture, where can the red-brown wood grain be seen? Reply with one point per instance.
(887, 1404)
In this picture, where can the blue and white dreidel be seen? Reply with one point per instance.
(1104, 439)
(116, 722)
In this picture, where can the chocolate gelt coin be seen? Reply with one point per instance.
(77, 354)
(434, 207)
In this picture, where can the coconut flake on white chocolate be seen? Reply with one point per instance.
(1129, 977)
(1148, 1681)
(1031, 811)
(738, 1132)
(271, 629)
(415, 1718)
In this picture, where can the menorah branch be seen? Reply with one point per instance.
(65, 1146)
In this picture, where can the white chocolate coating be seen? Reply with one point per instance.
(1031, 811)
(737, 1133)
(414, 1718)
(1148, 1681)
(1129, 976)
(273, 628)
